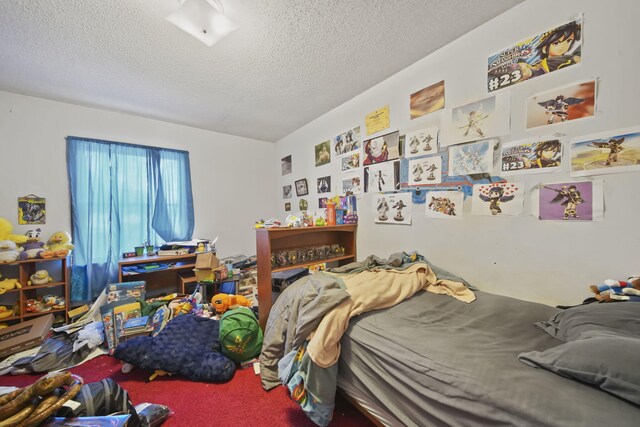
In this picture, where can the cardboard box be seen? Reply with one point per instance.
(25, 335)
(207, 261)
(211, 275)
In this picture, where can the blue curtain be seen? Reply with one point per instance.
(121, 196)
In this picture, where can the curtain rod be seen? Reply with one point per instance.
(103, 141)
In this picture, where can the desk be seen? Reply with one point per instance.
(168, 278)
(204, 287)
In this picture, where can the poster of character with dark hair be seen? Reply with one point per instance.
(31, 210)
(533, 155)
(552, 50)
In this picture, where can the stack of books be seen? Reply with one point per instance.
(136, 325)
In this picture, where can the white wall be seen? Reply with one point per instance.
(231, 178)
(550, 262)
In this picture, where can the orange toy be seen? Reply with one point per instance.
(223, 302)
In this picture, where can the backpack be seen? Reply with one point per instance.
(240, 334)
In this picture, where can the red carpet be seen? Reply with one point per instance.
(240, 402)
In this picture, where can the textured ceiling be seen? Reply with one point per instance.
(289, 62)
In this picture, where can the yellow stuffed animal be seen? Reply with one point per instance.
(5, 232)
(6, 312)
(223, 302)
(9, 284)
(60, 244)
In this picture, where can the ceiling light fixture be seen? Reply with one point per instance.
(203, 19)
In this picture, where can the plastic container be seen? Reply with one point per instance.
(331, 213)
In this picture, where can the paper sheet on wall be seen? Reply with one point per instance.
(377, 120)
(569, 201)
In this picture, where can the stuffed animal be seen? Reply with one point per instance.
(9, 284)
(223, 302)
(6, 312)
(618, 290)
(5, 232)
(33, 247)
(59, 244)
(40, 277)
(9, 251)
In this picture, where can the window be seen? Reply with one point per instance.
(121, 196)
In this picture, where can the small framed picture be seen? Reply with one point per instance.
(287, 207)
(302, 189)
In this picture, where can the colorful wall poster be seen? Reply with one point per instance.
(377, 120)
(555, 49)
(286, 165)
(606, 152)
(473, 158)
(32, 210)
(563, 104)
(352, 183)
(352, 161)
(427, 100)
(381, 148)
(425, 170)
(569, 201)
(482, 119)
(287, 192)
(322, 202)
(322, 153)
(505, 198)
(420, 142)
(444, 204)
(533, 155)
(324, 184)
(347, 142)
(382, 177)
(392, 208)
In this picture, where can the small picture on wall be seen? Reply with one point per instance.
(560, 105)
(303, 204)
(287, 207)
(286, 165)
(381, 148)
(382, 177)
(473, 158)
(352, 183)
(444, 204)
(322, 202)
(301, 187)
(323, 155)
(533, 155)
(498, 199)
(31, 210)
(482, 119)
(287, 192)
(392, 208)
(425, 170)
(347, 142)
(352, 161)
(324, 184)
(421, 142)
(606, 152)
(427, 100)
(571, 201)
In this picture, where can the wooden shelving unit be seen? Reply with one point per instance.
(165, 280)
(58, 269)
(269, 240)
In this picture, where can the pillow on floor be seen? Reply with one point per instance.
(188, 345)
(570, 324)
(603, 359)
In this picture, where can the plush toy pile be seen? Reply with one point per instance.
(15, 247)
(618, 290)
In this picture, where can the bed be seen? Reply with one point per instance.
(434, 360)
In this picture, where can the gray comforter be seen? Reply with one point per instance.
(434, 361)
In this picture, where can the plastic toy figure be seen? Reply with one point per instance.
(614, 145)
(570, 198)
(546, 155)
(474, 121)
(553, 50)
(559, 107)
(417, 172)
(495, 196)
(399, 205)
(382, 208)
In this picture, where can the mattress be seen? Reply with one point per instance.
(435, 361)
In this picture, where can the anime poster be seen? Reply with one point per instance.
(606, 152)
(560, 105)
(377, 120)
(352, 183)
(444, 204)
(382, 177)
(392, 208)
(381, 148)
(555, 49)
(287, 191)
(498, 199)
(427, 100)
(569, 201)
(482, 119)
(32, 210)
(323, 155)
(322, 202)
(324, 184)
(286, 165)
(348, 142)
(421, 142)
(425, 170)
(534, 155)
(474, 158)
(352, 161)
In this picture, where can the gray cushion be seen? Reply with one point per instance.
(603, 359)
(570, 324)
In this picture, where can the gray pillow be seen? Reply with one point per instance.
(570, 324)
(603, 359)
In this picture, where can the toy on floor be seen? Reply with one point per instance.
(59, 244)
(5, 232)
(223, 302)
(618, 290)
(40, 277)
(9, 284)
